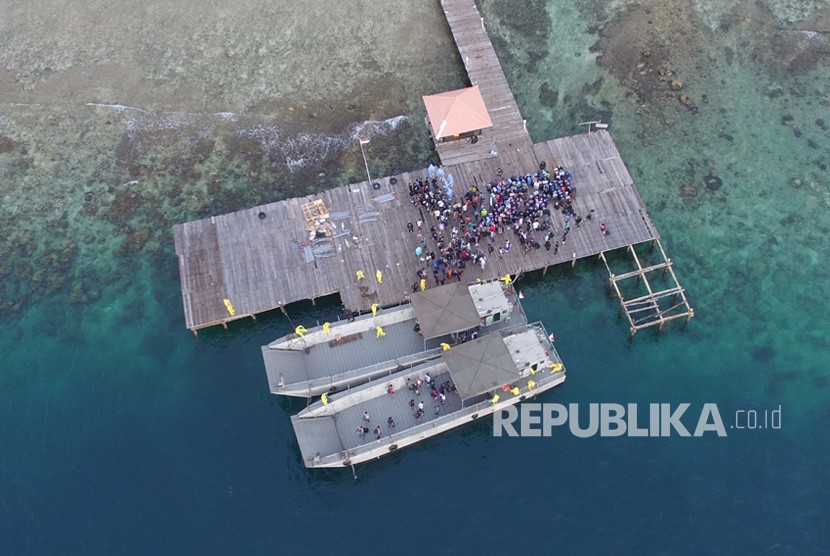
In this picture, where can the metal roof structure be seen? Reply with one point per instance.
(456, 112)
(489, 298)
(481, 365)
(445, 310)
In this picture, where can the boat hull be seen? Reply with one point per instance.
(395, 442)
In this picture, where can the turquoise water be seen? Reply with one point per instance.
(121, 432)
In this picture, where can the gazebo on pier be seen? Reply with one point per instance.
(458, 114)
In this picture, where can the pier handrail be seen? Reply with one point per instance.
(384, 368)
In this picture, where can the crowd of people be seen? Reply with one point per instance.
(469, 229)
(438, 392)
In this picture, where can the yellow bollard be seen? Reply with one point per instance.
(423, 284)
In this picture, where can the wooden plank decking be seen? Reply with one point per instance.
(258, 263)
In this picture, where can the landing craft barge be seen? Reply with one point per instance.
(347, 353)
(478, 377)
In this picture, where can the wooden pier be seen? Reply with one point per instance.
(353, 240)
(509, 131)
(657, 306)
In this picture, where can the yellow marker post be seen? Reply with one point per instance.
(379, 276)
(445, 345)
(230, 308)
(360, 275)
(326, 328)
(380, 332)
(324, 398)
(300, 331)
(375, 308)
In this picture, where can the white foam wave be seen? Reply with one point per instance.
(300, 151)
(116, 107)
(297, 151)
(377, 126)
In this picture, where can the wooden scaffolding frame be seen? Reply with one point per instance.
(646, 311)
(317, 220)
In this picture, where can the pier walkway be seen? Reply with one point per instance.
(509, 131)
